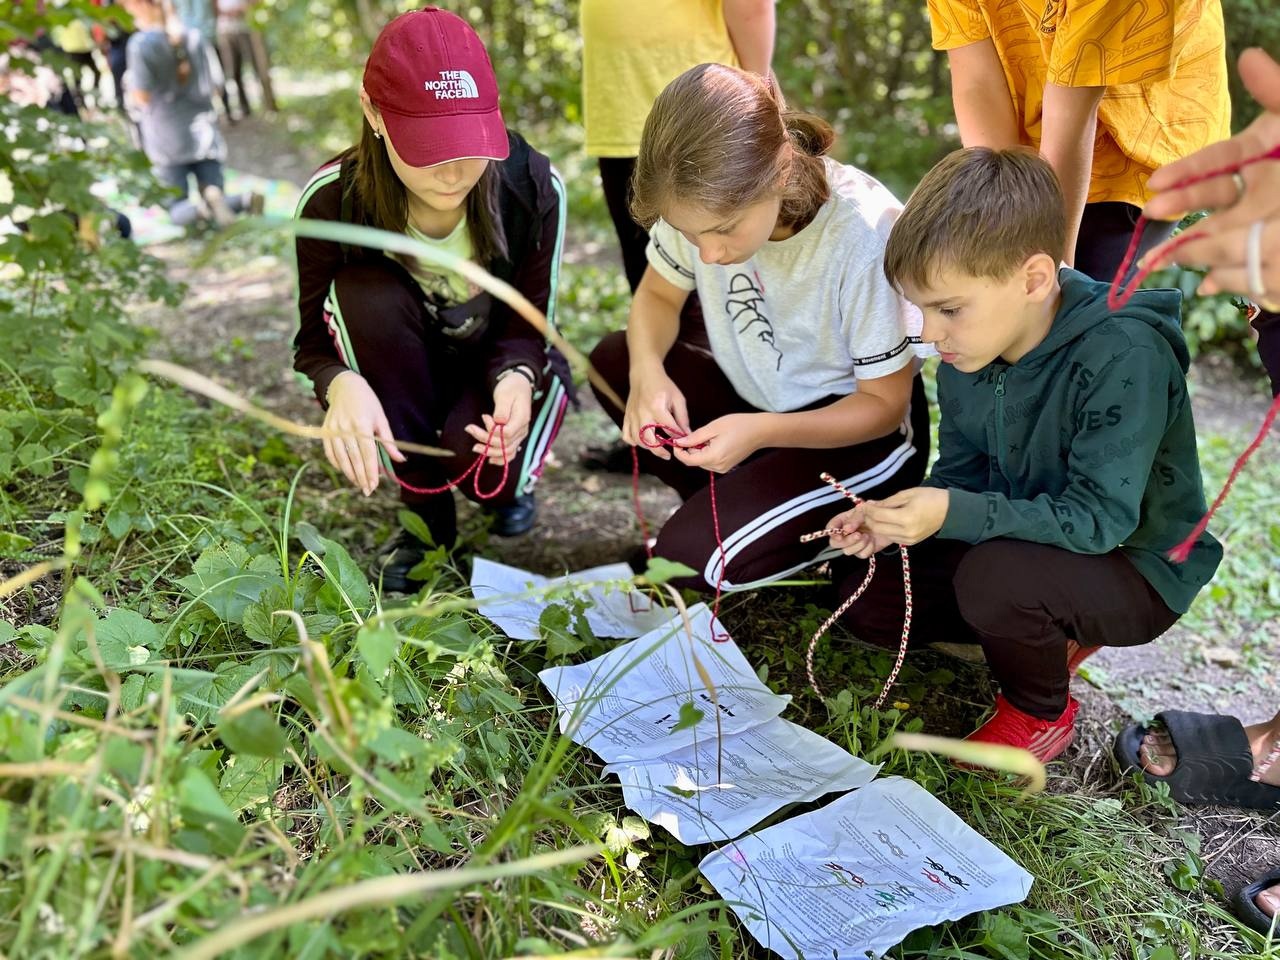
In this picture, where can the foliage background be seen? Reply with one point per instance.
(176, 756)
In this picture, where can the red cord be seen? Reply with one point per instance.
(866, 582)
(1119, 295)
(475, 468)
(650, 437)
(1182, 551)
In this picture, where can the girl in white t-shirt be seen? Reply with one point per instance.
(811, 366)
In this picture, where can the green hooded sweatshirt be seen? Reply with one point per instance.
(1087, 443)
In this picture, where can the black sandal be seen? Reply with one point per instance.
(1214, 761)
(1248, 911)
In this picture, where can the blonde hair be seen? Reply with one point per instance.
(981, 211)
(721, 139)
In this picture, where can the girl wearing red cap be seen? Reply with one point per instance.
(398, 348)
(810, 366)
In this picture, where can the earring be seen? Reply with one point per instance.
(377, 135)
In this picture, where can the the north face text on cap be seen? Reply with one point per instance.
(453, 85)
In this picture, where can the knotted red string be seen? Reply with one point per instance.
(866, 582)
(650, 438)
(1119, 295)
(477, 464)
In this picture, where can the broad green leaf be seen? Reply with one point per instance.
(553, 624)
(432, 837)
(660, 570)
(690, 717)
(129, 629)
(226, 580)
(203, 809)
(1006, 937)
(397, 745)
(339, 569)
(259, 623)
(416, 525)
(124, 758)
(198, 692)
(12, 544)
(378, 644)
(75, 384)
(254, 732)
(249, 781)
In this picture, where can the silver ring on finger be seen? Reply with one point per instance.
(1238, 179)
(1253, 261)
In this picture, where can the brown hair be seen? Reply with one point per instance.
(981, 211)
(721, 139)
(386, 200)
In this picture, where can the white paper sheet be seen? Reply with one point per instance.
(729, 785)
(614, 611)
(626, 704)
(855, 877)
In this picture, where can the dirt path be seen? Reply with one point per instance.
(237, 324)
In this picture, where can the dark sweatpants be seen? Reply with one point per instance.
(770, 499)
(1105, 232)
(1268, 327)
(430, 391)
(1022, 601)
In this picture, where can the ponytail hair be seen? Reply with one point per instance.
(721, 139)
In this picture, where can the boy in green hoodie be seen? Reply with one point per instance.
(1067, 452)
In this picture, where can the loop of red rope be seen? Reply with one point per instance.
(866, 581)
(1119, 295)
(476, 466)
(651, 438)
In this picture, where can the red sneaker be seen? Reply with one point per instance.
(1078, 654)
(1046, 739)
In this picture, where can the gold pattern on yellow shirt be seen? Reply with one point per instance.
(1163, 63)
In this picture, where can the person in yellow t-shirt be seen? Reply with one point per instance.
(631, 51)
(1107, 92)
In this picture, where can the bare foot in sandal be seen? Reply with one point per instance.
(1159, 756)
(1268, 901)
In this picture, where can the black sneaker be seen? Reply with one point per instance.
(516, 517)
(395, 559)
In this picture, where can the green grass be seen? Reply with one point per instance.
(213, 717)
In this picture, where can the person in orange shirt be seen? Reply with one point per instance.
(1107, 92)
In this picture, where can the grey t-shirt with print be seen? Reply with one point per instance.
(807, 317)
(178, 124)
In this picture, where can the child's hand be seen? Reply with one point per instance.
(654, 398)
(355, 409)
(725, 442)
(908, 516)
(854, 538)
(513, 408)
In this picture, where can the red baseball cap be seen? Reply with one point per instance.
(430, 77)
